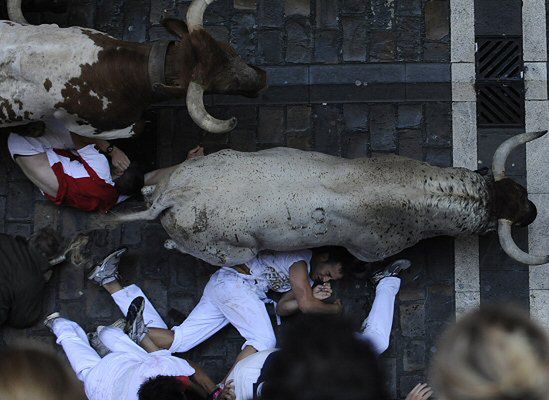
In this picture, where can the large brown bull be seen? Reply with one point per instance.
(226, 207)
(99, 86)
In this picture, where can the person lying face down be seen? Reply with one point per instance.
(73, 170)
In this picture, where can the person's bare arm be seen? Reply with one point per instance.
(307, 303)
(203, 383)
(154, 177)
(287, 305)
(119, 159)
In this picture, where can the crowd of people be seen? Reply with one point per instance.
(491, 354)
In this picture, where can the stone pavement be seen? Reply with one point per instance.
(351, 78)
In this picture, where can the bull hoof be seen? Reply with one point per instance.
(170, 244)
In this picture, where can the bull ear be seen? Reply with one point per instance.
(175, 26)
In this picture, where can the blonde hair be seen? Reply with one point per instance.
(492, 354)
(31, 372)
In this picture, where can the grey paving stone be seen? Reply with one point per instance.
(357, 75)
(19, 204)
(243, 36)
(270, 13)
(270, 47)
(436, 52)
(410, 144)
(131, 233)
(288, 75)
(82, 15)
(271, 125)
(18, 229)
(389, 367)
(412, 319)
(217, 13)
(433, 73)
(382, 46)
(243, 139)
(383, 12)
(327, 128)
(2, 213)
(356, 117)
(353, 6)
(219, 33)
(408, 382)
(159, 10)
(299, 142)
(408, 39)
(298, 119)
(382, 128)
(109, 18)
(297, 7)
(326, 14)
(505, 287)
(440, 304)
(498, 17)
(413, 358)
(354, 38)
(437, 19)
(355, 146)
(99, 306)
(136, 14)
(438, 124)
(409, 8)
(326, 46)
(409, 116)
(298, 41)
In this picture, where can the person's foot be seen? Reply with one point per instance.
(97, 344)
(135, 324)
(107, 271)
(393, 269)
(50, 319)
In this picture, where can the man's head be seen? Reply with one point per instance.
(130, 181)
(321, 358)
(162, 388)
(46, 243)
(329, 263)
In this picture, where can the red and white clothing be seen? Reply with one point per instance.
(120, 374)
(83, 175)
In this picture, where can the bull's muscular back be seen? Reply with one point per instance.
(67, 72)
(229, 205)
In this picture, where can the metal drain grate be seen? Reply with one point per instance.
(500, 84)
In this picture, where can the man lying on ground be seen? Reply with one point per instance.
(248, 374)
(73, 170)
(130, 371)
(25, 268)
(236, 295)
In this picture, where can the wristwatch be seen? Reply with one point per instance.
(110, 148)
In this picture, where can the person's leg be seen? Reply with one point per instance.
(117, 341)
(76, 346)
(37, 168)
(123, 296)
(377, 327)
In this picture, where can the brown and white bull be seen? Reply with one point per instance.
(226, 207)
(99, 86)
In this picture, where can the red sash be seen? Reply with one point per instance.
(89, 194)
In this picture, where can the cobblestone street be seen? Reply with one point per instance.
(352, 78)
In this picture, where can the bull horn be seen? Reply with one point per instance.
(197, 111)
(500, 156)
(195, 13)
(510, 247)
(14, 12)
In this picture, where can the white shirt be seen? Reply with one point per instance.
(272, 269)
(246, 373)
(118, 376)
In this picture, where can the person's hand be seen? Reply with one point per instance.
(198, 151)
(421, 392)
(322, 292)
(119, 160)
(228, 392)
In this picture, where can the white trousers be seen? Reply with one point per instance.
(377, 327)
(229, 297)
(123, 299)
(82, 357)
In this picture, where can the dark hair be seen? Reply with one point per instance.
(322, 359)
(131, 181)
(162, 388)
(337, 254)
(46, 242)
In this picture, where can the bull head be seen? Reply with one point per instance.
(518, 210)
(217, 69)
